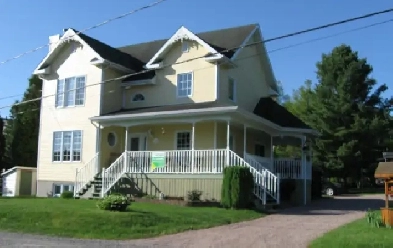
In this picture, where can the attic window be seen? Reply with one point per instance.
(138, 98)
(184, 46)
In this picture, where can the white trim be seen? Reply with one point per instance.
(115, 136)
(181, 34)
(182, 131)
(192, 84)
(101, 62)
(248, 38)
(71, 147)
(216, 81)
(138, 82)
(66, 90)
(44, 71)
(68, 36)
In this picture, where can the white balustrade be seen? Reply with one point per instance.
(85, 174)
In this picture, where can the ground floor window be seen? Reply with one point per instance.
(58, 189)
(183, 140)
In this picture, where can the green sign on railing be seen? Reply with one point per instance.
(158, 160)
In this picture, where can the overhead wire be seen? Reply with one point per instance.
(86, 29)
(217, 53)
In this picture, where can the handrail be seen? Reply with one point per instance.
(85, 174)
(113, 173)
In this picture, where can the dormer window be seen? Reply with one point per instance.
(184, 46)
(138, 98)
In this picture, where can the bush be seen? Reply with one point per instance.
(114, 202)
(194, 195)
(67, 195)
(237, 187)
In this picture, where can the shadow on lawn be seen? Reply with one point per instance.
(337, 206)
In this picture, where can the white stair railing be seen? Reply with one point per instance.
(85, 174)
(265, 180)
(113, 173)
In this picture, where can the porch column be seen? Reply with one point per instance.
(245, 141)
(228, 134)
(215, 147)
(192, 147)
(304, 162)
(98, 148)
(125, 151)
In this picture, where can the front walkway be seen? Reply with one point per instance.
(291, 228)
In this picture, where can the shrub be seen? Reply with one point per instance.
(67, 195)
(237, 187)
(114, 202)
(194, 195)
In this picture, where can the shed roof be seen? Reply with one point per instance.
(384, 170)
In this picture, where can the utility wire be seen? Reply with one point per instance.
(86, 29)
(226, 50)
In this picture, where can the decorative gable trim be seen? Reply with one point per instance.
(68, 36)
(181, 34)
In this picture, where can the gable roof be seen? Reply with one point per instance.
(270, 110)
(136, 56)
(220, 40)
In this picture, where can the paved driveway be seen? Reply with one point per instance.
(291, 228)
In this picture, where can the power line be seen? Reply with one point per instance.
(226, 50)
(330, 36)
(87, 29)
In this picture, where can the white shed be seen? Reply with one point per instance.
(19, 181)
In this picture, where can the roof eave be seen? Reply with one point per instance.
(101, 62)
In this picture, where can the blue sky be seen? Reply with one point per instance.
(27, 24)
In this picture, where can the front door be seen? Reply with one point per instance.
(137, 142)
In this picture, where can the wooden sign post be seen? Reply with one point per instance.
(385, 171)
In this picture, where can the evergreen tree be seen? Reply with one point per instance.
(348, 110)
(2, 145)
(22, 131)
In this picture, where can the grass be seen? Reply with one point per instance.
(82, 219)
(356, 234)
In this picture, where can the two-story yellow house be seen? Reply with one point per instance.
(168, 115)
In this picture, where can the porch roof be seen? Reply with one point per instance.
(200, 110)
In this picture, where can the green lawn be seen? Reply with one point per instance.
(82, 219)
(356, 234)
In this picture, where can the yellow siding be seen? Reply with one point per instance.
(204, 138)
(111, 92)
(171, 185)
(164, 91)
(251, 82)
(68, 64)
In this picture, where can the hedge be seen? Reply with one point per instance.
(237, 187)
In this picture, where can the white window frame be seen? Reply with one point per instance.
(185, 46)
(231, 79)
(64, 100)
(133, 97)
(71, 147)
(62, 185)
(176, 139)
(177, 84)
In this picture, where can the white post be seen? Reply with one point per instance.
(193, 147)
(125, 150)
(228, 133)
(215, 147)
(98, 147)
(272, 155)
(304, 171)
(244, 141)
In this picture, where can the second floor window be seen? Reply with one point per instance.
(184, 84)
(231, 89)
(67, 146)
(70, 92)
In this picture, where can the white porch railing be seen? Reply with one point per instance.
(288, 168)
(86, 173)
(197, 161)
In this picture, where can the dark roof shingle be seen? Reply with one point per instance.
(270, 110)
